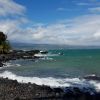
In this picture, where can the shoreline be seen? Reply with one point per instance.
(12, 90)
(20, 54)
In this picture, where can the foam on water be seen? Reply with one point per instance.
(46, 58)
(45, 55)
(96, 85)
(9, 65)
(53, 82)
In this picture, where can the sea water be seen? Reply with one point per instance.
(61, 67)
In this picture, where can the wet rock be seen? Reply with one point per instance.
(1, 64)
(19, 54)
(92, 77)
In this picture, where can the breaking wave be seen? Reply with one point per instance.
(54, 82)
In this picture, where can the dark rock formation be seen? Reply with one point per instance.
(1, 64)
(18, 54)
(92, 77)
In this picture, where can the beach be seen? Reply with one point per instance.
(12, 90)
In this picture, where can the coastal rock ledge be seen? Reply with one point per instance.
(12, 90)
(20, 54)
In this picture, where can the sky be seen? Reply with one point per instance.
(69, 22)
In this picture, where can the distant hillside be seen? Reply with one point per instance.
(49, 46)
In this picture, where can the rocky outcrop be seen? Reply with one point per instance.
(19, 54)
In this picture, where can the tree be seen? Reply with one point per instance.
(4, 43)
(3, 37)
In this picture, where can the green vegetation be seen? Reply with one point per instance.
(4, 44)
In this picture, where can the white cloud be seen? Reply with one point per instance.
(94, 10)
(88, 3)
(83, 4)
(84, 30)
(9, 7)
(97, 34)
(66, 9)
(61, 9)
(12, 27)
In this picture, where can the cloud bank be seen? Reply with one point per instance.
(83, 30)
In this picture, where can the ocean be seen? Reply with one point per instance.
(61, 67)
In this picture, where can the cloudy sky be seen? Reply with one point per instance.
(71, 22)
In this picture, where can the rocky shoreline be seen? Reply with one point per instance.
(19, 54)
(12, 90)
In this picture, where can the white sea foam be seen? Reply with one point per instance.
(46, 58)
(96, 84)
(45, 55)
(53, 82)
(10, 65)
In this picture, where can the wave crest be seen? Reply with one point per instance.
(54, 82)
(50, 81)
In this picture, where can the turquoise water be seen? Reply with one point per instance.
(71, 63)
